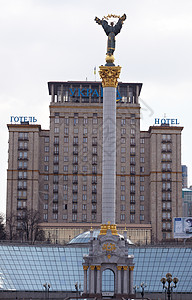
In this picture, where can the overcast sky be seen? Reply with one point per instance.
(58, 40)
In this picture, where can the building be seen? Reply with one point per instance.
(184, 177)
(26, 269)
(59, 171)
(187, 202)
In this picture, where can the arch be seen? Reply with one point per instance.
(108, 281)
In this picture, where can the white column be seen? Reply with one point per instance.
(92, 280)
(85, 279)
(119, 279)
(131, 268)
(98, 291)
(109, 155)
(125, 285)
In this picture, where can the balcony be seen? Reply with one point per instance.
(166, 160)
(132, 192)
(94, 143)
(94, 181)
(94, 191)
(56, 143)
(94, 210)
(94, 153)
(75, 191)
(74, 201)
(132, 172)
(94, 163)
(75, 162)
(166, 170)
(75, 152)
(74, 210)
(167, 141)
(55, 200)
(55, 190)
(55, 210)
(75, 181)
(166, 230)
(132, 153)
(94, 201)
(56, 152)
(132, 163)
(23, 138)
(22, 188)
(23, 148)
(94, 172)
(132, 211)
(75, 143)
(166, 219)
(75, 171)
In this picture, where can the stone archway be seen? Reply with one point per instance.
(108, 281)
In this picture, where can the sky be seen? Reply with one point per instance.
(58, 40)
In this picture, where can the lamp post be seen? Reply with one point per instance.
(169, 287)
(78, 287)
(47, 288)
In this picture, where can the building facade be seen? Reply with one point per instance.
(58, 172)
(184, 177)
(187, 202)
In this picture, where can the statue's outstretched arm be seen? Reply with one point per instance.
(123, 18)
(98, 21)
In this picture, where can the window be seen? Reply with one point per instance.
(45, 217)
(84, 207)
(84, 158)
(123, 159)
(84, 168)
(123, 131)
(65, 168)
(46, 177)
(84, 187)
(122, 169)
(122, 178)
(132, 218)
(56, 130)
(141, 207)
(84, 197)
(65, 149)
(132, 131)
(85, 121)
(45, 206)
(85, 140)
(66, 130)
(84, 178)
(142, 169)
(85, 130)
(122, 187)
(122, 207)
(122, 217)
(142, 150)
(123, 149)
(46, 187)
(66, 139)
(132, 150)
(55, 216)
(122, 122)
(142, 141)
(46, 159)
(74, 217)
(66, 121)
(122, 197)
(46, 139)
(66, 158)
(46, 148)
(65, 177)
(132, 179)
(142, 198)
(94, 120)
(55, 168)
(132, 121)
(46, 197)
(142, 178)
(65, 187)
(141, 217)
(122, 140)
(142, 159)
(56, 119)
(141, 188)
(75, 140)
(65, 197)
(64, 217)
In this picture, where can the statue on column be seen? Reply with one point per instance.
(111, 31)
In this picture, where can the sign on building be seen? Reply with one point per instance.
(183, 227)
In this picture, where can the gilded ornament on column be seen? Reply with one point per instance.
(85, 267)
(125, 268)
(92, 267)
(119, 268)
(98, 268)
(109, 75)
(131, 268)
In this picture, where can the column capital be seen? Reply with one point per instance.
(98, 268)
(85, 267)
(119, 268)
(125, 268)
(109, 75)
(92, 267)
(131, 268)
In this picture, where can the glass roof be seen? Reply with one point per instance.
(84, 237)
(29, 267)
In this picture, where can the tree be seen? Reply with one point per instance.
(2, 227)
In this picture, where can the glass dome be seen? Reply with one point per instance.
(84, 237)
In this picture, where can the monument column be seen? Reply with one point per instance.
(98, 290)
(109, 75)
(92, 280)
(131, 268)
(125, 289)
(85, 268)
(119, 279)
